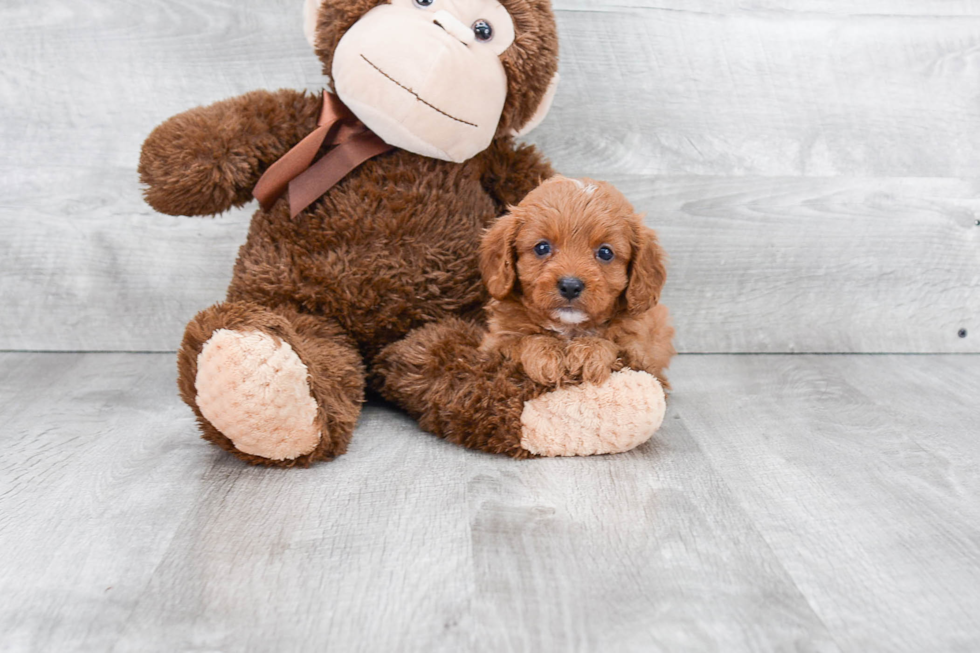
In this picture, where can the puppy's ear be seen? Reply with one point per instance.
(497, 256)
(647, 271)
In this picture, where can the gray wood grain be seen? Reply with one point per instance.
(722, 90)
(814, 503)
(898, 8)
(645, 551)
(818, 265)
(653, 92)
(863, 475)
(757, 265)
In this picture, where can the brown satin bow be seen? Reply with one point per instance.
(352, 143)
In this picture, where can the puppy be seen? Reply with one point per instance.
(575, 278)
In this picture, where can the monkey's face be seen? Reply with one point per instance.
(426, 75)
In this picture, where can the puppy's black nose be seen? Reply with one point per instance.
(570, 287)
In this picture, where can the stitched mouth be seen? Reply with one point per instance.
(414, 94)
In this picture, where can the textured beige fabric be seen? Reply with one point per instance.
(585, 420)
(254, 390)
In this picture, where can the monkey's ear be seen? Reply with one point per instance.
(647, 272)
(311, 8)
(497, 257)
(543, 108)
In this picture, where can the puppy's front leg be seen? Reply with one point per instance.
(592, 358)
(543, 359)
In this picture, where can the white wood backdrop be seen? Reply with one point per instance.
(813, 166)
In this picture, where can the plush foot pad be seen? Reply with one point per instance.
(254, 390)
(585, 420)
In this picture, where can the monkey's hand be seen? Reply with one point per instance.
(592, 359)
(207, 160)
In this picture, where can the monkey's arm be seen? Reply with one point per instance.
(207, 160)
(512, 171)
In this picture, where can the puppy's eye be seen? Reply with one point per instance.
(424, 3)
(543, 248)
(604, 253)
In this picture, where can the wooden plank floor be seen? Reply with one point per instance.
(806, 503)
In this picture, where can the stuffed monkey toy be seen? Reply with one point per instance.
(360, 267)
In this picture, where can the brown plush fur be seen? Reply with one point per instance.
(390, 248)
(207, 160)
(618, 321)
(439, 375)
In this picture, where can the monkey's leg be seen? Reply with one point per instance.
(208, 159)
(439, 376)
(271, 386)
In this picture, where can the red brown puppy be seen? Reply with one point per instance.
(576, 279)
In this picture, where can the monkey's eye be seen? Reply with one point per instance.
(424, 3)
(481, 28)
(605, 253)
(543, 248)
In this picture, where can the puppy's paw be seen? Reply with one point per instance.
(543, 359)
(592, 359)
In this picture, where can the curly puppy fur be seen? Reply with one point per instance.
(576, 280)
(390, 248)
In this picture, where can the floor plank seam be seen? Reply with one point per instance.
(775, 558)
